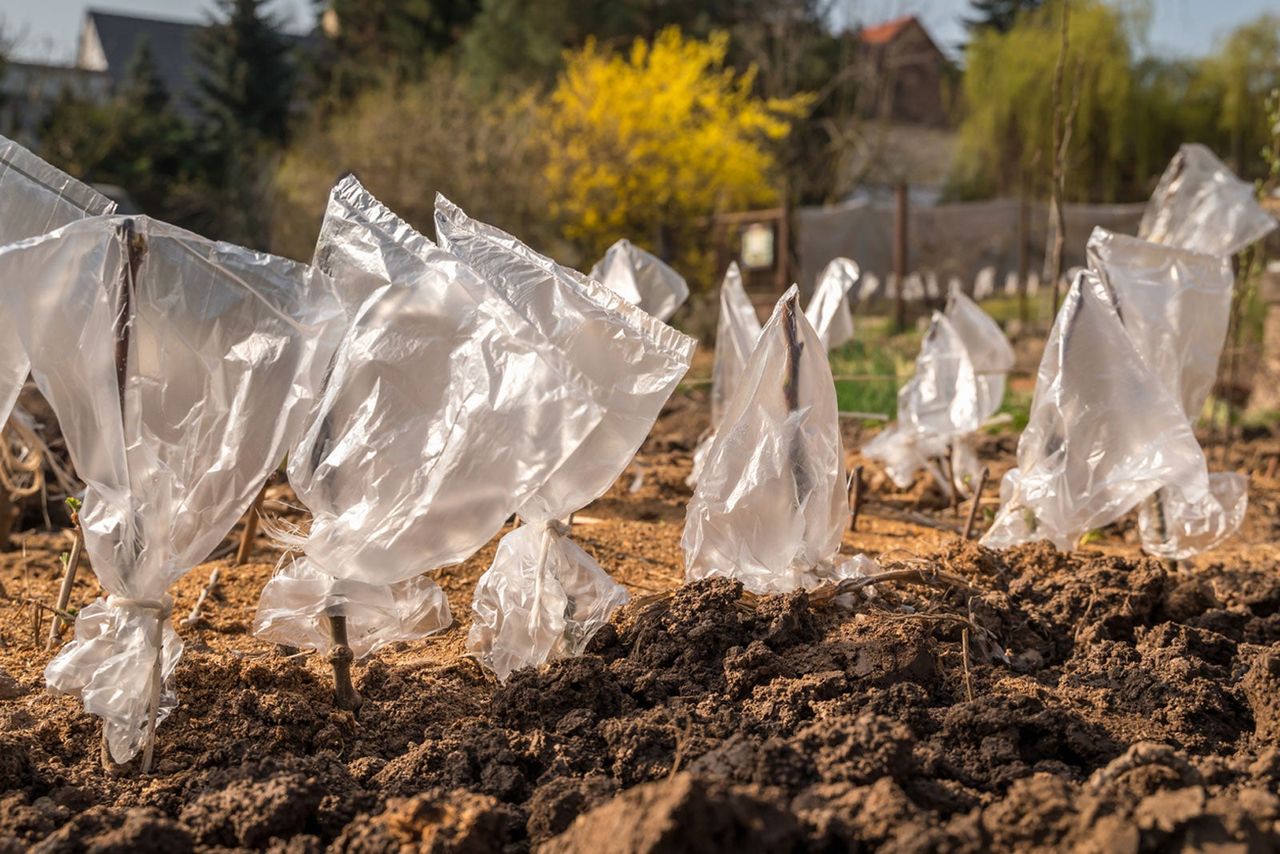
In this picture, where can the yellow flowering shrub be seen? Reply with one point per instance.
(657, 139)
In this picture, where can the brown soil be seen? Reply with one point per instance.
(1105, 704)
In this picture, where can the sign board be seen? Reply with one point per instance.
(757, 246)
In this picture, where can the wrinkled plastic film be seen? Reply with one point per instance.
(770, 508)
(828, 310)
(1201, 206)
(642, 279)
(173, 448)
(958, 383)
(1175, 306)
(35, 198)
(441, 415)
(1104, 432)
(628, 362)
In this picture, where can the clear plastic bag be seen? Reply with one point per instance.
(174, 444)
(1201, 206)
(828, 310)
(737, 329)
(443, 412)
(771, 506)
(1104, 432)
(35, 198)
(958, 384)
(642, 279)
(1175, 306)
(628, 362)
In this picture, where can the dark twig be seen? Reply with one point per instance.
(973, 508)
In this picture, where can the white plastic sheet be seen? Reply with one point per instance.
(771, 506)
(957, 385)
(1201, 206)
(441, 415)
(173, 447)
(1175, 306)
(35, 198)
(1104, 431)
(642, 279)
(828, 310)
(542, 597)
(737, 329)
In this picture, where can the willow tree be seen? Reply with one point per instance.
(1006, 134)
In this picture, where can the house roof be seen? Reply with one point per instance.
(887, 31)
(172, 45)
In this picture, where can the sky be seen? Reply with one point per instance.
(46, 30)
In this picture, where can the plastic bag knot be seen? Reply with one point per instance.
(161, 607)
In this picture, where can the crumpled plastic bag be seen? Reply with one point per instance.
(1201, 206)
(174, 446)
(737, 329)
(642, 279)
(628, 362)
(771, 506)
(443, 412)
(545, 601)
(1104, 432)
(35, 198)
(1175, 306)
(828, 311)
(958, 384)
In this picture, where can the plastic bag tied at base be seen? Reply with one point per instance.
(628, 362)
(770, 508)
(174, 443)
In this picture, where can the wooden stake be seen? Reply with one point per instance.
(68, 581)
(973, 508)
(855, 497)
(791, 390)
(340, 657)
(900, 259)
(250, 527)
(1157, 511)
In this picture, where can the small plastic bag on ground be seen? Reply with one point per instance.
(1201, 206)
(737, 329)
(1175, 306)
(771, 506)
(443, 412)
(628, 362)
(642, 279)
(174, 445)
(828, 310)
(35, 198)
(1104, 432)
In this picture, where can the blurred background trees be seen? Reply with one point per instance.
(576, 122)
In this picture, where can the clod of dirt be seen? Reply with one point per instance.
(1261, 686)
(100, 830)
(435, 822)
(555, 805)
(250, 814)
(681, 814)
(10, 688)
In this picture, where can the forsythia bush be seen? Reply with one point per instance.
(655, 140)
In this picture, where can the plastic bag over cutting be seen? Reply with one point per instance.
(1201, 206)
(828, 310)
(737, 329)
(543, 597)
(179, 369)
(771, 508)
(1104, 432)
(35, 198)
(443, 412)
(958, 384)
(1175, 306)
(642, 279)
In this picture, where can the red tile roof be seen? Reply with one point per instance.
(886, 32)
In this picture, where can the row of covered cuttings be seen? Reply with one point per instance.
(424, 392)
